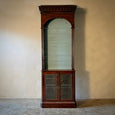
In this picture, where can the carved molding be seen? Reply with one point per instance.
(49, 12)
(57, 8)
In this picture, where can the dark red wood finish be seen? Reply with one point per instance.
(49, 12)
(58, 103)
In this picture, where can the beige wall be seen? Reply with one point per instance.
(20, 48)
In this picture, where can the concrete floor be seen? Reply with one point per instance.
(32, 107)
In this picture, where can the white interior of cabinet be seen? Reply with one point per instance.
(59, 45)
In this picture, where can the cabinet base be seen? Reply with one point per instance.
(58, 104)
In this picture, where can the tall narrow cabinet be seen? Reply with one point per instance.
(58, 75)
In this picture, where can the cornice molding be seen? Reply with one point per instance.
(57, 8)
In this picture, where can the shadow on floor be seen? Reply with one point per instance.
(95, 102)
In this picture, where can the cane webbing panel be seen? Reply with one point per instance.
(66, 93)
(51, 93)
(66, 86)
(66, 79)
(50, 80)
(50, 86)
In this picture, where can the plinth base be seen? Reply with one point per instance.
(58, 104)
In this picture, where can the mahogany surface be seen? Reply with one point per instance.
(49, 12)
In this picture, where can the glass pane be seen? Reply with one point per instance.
(59, 45)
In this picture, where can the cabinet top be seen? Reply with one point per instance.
(57, 8)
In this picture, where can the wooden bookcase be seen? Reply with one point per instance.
(58, 75)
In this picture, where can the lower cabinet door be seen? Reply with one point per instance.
(51, 86)
(65, 86)
(58, 86)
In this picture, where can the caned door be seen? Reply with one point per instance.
(58, 86)
(66, 86)
(50, 86)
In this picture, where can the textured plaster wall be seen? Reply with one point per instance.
(20, 48)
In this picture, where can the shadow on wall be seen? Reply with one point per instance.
(82, 76)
